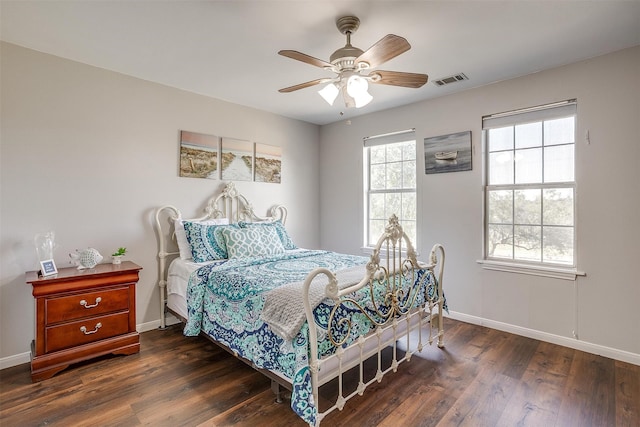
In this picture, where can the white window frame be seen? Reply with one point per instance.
(386, 139)
(530, 115)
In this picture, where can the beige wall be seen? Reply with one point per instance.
(601, 308)
(90, 154)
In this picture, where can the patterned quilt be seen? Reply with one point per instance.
(225, 302)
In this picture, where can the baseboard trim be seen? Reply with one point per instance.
(624, 356)
(15, 360)
(155, 324)
(576, 344)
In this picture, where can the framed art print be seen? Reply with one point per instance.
(198, 155)
(236, 159)
(268, 163)
(448, 153)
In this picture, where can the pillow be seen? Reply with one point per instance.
(286, 241)
(181, 237)
(252, 242)
(206, 241)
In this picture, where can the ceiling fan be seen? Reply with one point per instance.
(354, 67)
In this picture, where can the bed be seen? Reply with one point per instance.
(301, 317)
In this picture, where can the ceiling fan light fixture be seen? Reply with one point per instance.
(357, 88)
(363, 99)
(352, 66)
(329, 93)
(356, 85)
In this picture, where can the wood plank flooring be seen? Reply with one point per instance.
(482, 377)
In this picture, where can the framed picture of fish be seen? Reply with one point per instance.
(448, 153)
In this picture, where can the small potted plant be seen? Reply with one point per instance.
(117, 255)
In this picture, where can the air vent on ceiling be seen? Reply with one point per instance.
(451, 79)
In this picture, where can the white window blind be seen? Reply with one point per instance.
(390, 138)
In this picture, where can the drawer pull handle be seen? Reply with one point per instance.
(84, 329)
(84, 303)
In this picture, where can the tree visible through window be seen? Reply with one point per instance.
(530, 192)
(390, 184)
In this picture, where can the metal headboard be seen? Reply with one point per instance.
(228, 204)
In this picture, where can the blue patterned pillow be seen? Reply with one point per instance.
(286, 241)
(181, 236)
(252, 242)
(206, 241)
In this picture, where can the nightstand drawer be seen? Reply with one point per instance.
(72, 307)
(85, 331)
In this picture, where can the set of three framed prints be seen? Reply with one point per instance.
(214, 157)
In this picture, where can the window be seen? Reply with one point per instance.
(390, 184)
(530, 185)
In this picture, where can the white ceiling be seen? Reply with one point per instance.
(228, 49)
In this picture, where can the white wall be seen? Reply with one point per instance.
(90, 154)
(602, 308)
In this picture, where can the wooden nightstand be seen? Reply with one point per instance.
(81, 314)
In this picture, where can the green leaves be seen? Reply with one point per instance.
(119, 252)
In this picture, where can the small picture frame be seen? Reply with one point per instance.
(48, 267)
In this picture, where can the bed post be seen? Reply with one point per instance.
(174, 214)
(276, 388)
(162, 285)
(438, 248)
(314, 364)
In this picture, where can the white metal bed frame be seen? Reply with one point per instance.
(394, 324)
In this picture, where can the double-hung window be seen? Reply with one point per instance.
(390, 184)
(530, 185)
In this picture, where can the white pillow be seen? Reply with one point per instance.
(181, 236)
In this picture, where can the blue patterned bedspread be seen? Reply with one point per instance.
(225, 302)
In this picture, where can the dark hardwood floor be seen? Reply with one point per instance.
(483, 377)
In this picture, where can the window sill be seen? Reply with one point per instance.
(533, 270)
